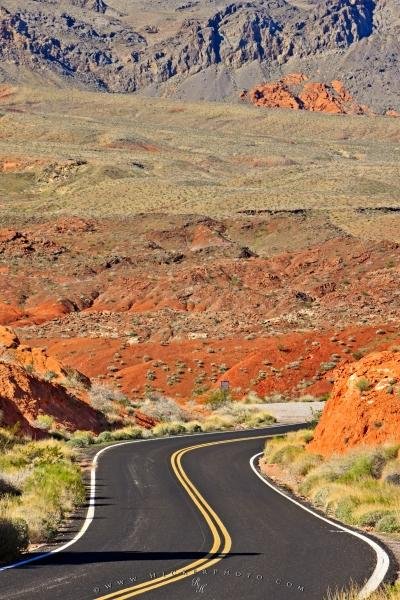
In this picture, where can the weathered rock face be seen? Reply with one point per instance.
(364, 408)
(93, 44)
(33, 384)
(295, 92)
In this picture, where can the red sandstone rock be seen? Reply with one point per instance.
(364, 408)
(294, 91)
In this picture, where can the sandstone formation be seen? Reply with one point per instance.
(364, 408)
(295, 92)
(33, 384)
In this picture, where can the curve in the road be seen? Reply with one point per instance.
(382, 558)
(220, 540)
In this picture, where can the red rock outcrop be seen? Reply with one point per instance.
(34, 384)
(364, 408)
(294, 91)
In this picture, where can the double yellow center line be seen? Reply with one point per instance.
(222, 542)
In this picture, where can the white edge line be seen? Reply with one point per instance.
(92, 497)
(382, 558)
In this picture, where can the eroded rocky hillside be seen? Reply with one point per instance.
(177, 303)
(203, 50)
(38, 392)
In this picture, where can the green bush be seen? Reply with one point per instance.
(59, 484)
(389, 523)
(286, 454)
(363, 384)
(103, 437)
(218, 398)
(371, 517)
(35, 453)
(81, 439)
(14, 538)
(44, 422)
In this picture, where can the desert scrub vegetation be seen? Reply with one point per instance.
(40, 482)
(360, 488)
(162, 408)
(387, 593)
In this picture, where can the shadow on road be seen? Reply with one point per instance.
(79, 558)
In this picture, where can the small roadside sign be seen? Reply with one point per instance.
(224, 385)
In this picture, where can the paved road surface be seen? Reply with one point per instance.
(154, 518)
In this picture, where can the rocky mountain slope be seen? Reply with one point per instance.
(364, 408)
(203, 49)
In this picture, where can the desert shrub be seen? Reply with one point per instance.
(391, 472)
(363, 384)
(387, 593)
(44, 422)
(48, 485)
(102, 398)
(370, 517)
(35, 453)
(304, 462)
(163, 409)
(362, 464)
(14, 538)
(389, 523)
(60, 484)
(350, 487)
(76, 379)
(103, 437)
(50, 375)
(8, 439)
(315, 417)
(258, 419)
(286, 454)
(193, 427)
(7, 487)
(127, 433)
(217, 423)
(218, 398)
(81, 439)
(172, 428)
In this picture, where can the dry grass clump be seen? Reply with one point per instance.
(387, 593)
(41, 483)
(360, 488)
(162, 408)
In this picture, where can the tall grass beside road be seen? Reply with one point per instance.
(388, 593)
(360, 488)
(40, 483)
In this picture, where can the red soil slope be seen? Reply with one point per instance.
(364, 408)
(34, 384)
(293, 364)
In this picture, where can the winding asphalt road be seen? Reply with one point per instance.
(198, 525)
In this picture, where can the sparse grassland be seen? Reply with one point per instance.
(388, 593)
(40, 483)
(97, 154)
(359, 488)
